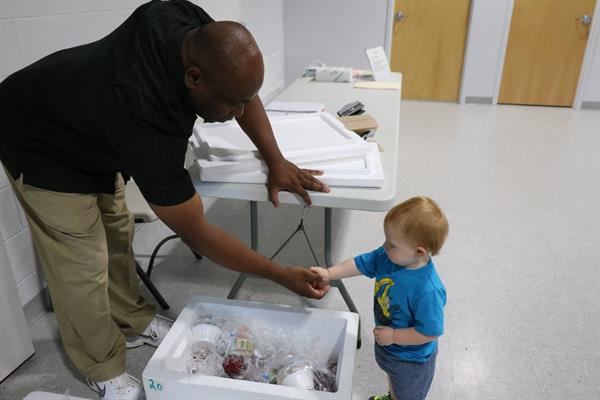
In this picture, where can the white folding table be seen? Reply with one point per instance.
(384, 106)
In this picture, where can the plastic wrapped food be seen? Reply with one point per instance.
(248, 350)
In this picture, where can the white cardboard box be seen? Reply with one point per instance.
(336, 330)
(333, 74)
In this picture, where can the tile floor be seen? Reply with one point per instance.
(521, 189)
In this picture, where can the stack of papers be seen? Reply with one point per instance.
(310, 140)
(379, 85)
(281, 108)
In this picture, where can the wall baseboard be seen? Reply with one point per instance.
(479, 100)
(37, 306)
(590, 105)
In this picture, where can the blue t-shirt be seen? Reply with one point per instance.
(406, 298)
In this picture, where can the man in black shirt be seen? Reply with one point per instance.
(78, 123)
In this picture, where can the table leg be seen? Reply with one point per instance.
(338, 283)
(328, 239)
(253, 244)
(153, 290)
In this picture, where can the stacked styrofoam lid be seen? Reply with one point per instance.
(314, 141)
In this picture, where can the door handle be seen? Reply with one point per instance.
(585, 19)
(399, 16)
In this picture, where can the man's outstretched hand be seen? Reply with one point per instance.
(304, 282)
(285, 175)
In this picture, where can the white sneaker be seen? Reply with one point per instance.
(122, 387)
(154, 333)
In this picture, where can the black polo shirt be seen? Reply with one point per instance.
(72, 120)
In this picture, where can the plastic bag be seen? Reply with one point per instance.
(249, 350)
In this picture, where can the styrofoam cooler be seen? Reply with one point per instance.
(164, 377)
(51, 396)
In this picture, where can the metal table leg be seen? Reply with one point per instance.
(253, 244)
(338, 283)
(153, 290)
(328, 239)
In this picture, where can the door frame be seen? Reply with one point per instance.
(588, 56)
(505, 34)
(389, 28)
(584, 74)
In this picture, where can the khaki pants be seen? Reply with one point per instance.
(84, 245)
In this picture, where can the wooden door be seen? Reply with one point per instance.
(428, 45)
(545, 50)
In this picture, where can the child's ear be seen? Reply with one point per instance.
(422, 251)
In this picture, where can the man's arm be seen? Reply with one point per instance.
(283, 175)
(187, 220)
(256, 124)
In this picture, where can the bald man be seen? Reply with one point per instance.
(75, 125)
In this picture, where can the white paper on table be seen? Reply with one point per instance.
(295, 107)
(378, 85)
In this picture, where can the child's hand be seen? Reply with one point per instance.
(384, 335)
(323, 273)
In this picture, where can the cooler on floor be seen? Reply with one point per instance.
(51, 396)
(165, 378)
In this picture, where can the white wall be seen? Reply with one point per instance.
(17, 240)
(221, 9)
(485, 48)
(590, 79)
(264, 18)
(31, 29)
(591, 88)
(335, 32)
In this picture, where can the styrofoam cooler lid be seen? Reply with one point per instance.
(164, 377)
(298, 134)
(365, 172)
(51, 396)
(350, 153)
